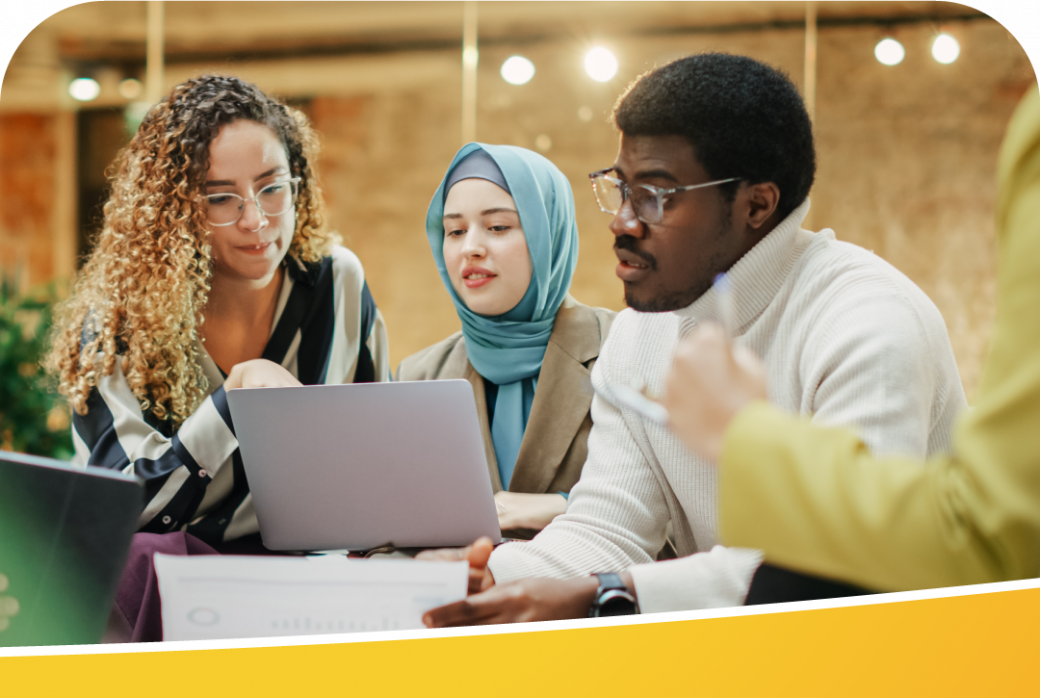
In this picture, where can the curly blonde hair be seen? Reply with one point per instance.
(141, 295)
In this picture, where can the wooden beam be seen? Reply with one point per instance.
(809, 82)
(810, 58)
(154, 79)
(470, 57)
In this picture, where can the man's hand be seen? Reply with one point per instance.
(521, 601)
(710, 382)
(534, 511)
(260, 373)
(8, 605)
(480, 577)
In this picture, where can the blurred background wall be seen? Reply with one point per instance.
(906, 152)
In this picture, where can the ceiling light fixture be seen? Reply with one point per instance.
(889, 51)
(600, 64)
(131, 88)
(84, 89)
(945, 49)
(517, 70)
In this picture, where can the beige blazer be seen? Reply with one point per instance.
(554, 446)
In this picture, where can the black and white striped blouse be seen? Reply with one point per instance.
(327, 329)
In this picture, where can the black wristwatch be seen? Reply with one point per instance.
(612, 598)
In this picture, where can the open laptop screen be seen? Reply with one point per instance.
(64, 536)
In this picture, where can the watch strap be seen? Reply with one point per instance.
(609, 580)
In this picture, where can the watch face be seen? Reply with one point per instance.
(616, 603)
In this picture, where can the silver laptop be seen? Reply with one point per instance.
(360, 466)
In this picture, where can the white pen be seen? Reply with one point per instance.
(727, 312)
(635, 400)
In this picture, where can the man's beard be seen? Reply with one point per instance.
(665, 304)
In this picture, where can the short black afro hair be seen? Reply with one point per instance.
(744, 119)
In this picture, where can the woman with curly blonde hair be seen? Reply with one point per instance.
(214, 270)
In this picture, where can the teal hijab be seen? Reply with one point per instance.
(508, 349)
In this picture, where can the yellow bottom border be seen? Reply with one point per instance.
(975, 644)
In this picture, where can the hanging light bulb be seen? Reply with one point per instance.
(84, 89)
(131, 88)
(517, 70)
(889, 51)
(945, 49)
(600, 64)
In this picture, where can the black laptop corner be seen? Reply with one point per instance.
(64, 536)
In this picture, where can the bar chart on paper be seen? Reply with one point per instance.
(296, 625)
(214, 597)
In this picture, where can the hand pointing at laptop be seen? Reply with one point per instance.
(259, 373)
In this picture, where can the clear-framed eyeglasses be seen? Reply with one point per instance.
(647, 200)
(273, 200)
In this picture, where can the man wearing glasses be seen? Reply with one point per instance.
(713, 172)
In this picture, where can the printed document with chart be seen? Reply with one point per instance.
(211, 597)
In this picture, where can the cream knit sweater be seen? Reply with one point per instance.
(845, 338)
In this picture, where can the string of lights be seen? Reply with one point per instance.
(945, 49)
(601, 65)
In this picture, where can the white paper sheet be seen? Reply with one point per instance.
(212, 597)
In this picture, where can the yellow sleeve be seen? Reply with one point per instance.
(815, 500)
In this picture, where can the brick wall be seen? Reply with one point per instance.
(27, 187)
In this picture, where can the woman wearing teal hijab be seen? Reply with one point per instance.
(502, 230)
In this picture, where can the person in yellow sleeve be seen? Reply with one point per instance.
(817, 502)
